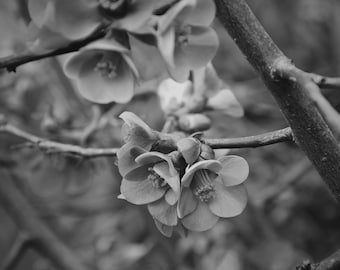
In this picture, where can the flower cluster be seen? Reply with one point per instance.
(187, 189)
(108, 70)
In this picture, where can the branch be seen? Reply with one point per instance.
(56, 147)
(12, 62)
(326, 82)
(278, 136)
(42, 238)
(17, 250)
(309, 128)
(330, 263)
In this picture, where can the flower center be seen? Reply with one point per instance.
(114, 8)
(202, 186)
(107, 68)
(182, 35)
(156, 180)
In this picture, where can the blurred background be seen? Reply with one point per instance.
(291, 215)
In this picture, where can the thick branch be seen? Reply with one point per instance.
(43, 239)
(278, 136)
(330, 263)
(309, 129)
(12, 62)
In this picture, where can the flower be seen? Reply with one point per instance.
(155, 182)
(137, 132)
(168, 231)
(184, 38)
(138, 138)
(78, 18)
(212, 189)
(104, 72)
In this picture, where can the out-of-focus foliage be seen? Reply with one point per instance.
(78, 197)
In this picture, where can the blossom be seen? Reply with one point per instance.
(104, 72)
(137, 132)
(155, 182)
(184, 38)
(78, 18)
(212, 189)
(138, 138)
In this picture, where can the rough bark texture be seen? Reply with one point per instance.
(288, 85)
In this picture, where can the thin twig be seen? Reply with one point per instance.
(56, 147)
(12, 62)
(326, 82)
(282, 135)
(278, 136)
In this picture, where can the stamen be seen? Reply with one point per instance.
(115, 8)
(156, 180)
(182, 35)
(202, 186)
(106, 68)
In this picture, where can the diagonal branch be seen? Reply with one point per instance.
(17, 250)
(12, 62)
(309, 128)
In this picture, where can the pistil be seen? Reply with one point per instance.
(202, 186)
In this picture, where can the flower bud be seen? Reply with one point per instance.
(190, 149)
(226, 102)
(194, 122)
(207, 152)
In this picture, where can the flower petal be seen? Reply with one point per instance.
(139, 13)
(163, 212)
(133, 120)
(201, 48)
(203, 14)
(178, 12)
(126, 158)
(187, 203)
(235, 170)
(141, 192)
(221, 153)
(226, 102)
(136, 131)
(229, 201)
(41, 11)
(190, 149)
(73, 64)
(155, 157)
(163, 170)
(77, 18)
(201, 219)
(171, 197)
(164, 229)
(166, 46)
(138, 174)
(211, 165)
(102, 89)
